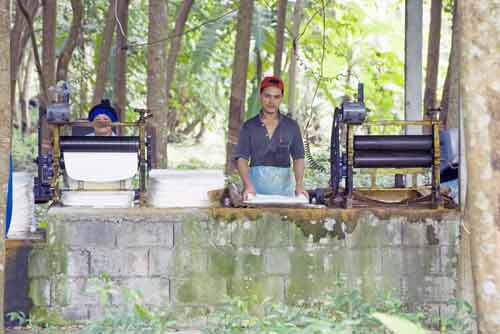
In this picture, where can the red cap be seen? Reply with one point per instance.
(272, 81)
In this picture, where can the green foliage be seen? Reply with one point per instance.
(24, 151)
(398, 325)
(460, 320)
(133, 316)
(341, 310)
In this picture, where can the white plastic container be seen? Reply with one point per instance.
(182, 188)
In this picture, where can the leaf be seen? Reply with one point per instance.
(399, 325)
(142, 312)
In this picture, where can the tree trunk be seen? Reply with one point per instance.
(15, 50)
(280, 36)
(49, 45)
(104, 50)
(480, 98)
(19, 37)
(451, 89)
(238, 81)
(120, 82)
(23, 93)
(292, 70)
(71, 40)
(175, 45)
(156, 100)
(258, 67)
(5, 137)
(432, 69)
(48, 66)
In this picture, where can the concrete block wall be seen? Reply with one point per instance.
(195, 259)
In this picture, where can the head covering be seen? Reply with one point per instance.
(272, 81)
(104, 108)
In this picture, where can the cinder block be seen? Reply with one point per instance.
(272, 231)
(371, 232)
(90, 234)
(39, 263)
(268, 231)
(189, 261)
(301, 261)
(260, 287)
(393, 232)
(448, 232)
(336, 262)
(146, 234)
(387, 284)
(74, 292)
(300, 286)
(277, 261)
(78, 263)
(364, 261)
(199, 289)
(219, 233)
(421, 289)
(119, 262)
(191, 233)
(39, 291)
(414, 234)
(75, 313)
(221, 261)
(249, 261)
(449, 261)
(97, 312)
(423, 260)
(446, 289)
(161, 261)
(392, 261)
(244, 233)
(150, 291)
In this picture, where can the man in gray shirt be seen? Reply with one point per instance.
(267, 141)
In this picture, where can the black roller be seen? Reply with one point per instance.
(393, 143)
(371, 159)
(99, 144)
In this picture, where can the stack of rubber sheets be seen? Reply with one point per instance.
(23, 206)
(95, 177)
(182, 188)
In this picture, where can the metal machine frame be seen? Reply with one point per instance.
(56, 153)
(435, 167)
(396, 152)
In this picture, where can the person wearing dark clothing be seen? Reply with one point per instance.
(266, 143)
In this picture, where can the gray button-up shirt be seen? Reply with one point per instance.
(254, 144)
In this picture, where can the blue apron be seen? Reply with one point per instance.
(8, 213)
(269, 180)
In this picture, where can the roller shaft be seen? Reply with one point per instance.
(393, 143)
(371, 159)
(99, 144)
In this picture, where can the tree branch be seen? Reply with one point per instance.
(38, 64)
(71, 41)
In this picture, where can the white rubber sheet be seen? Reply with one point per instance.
(100, 166)
(277, 199)
(98, 199)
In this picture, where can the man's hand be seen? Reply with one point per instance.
(249, 191)
(299, 190)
